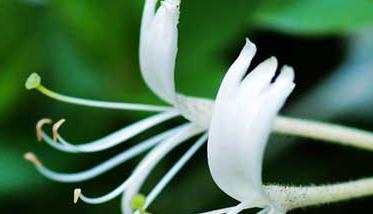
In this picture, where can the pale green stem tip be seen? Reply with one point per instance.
(33, 81)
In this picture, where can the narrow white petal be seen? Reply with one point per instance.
(240, 128)
(238, 69)
(260, 77)
(112, 139)
(158, 48)
(144, 168)
(147, 15)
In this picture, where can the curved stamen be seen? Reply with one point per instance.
(150, 160)
(112, 139)
(105, 166)
(55, 128)
(144, 168)
(34, 82)
(104, 198)
(39, 126)
(174, 170)
(59, 146)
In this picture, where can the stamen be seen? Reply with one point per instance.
(105, 166)
(174, 170)
(34, 82)
(77, 193)
(106, 197)
(59, 146)
(29, 156)
(39, 126)
(148, 163)
(55, 128)
(112, 139)
(144, 168)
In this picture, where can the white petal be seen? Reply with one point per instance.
(261, 76)
(238, 69)
(240, 127)
(148, 14)
(158, 47)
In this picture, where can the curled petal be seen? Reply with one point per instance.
(241, 123)
(237, 70)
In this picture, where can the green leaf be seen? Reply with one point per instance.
(314, 16)
(207, 29)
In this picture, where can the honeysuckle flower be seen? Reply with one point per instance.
(242, 120)
(158, 50)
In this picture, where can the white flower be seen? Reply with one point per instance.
(242, 121)
(244, 111)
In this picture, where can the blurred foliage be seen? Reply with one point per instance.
(89, 48)
(315, 16)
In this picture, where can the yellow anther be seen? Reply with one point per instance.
(32, 158)
(39, 126)
(55, 128)
(77, 192)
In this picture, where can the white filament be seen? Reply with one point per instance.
(174, 170)
(112, 139)
(148, 163)
(122, 157)
(101, 104)
(150, 160)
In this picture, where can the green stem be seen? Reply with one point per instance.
(295, 197)
(324, 131)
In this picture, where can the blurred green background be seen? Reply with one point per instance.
(89, 48)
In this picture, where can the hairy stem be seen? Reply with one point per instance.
(295, 197)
